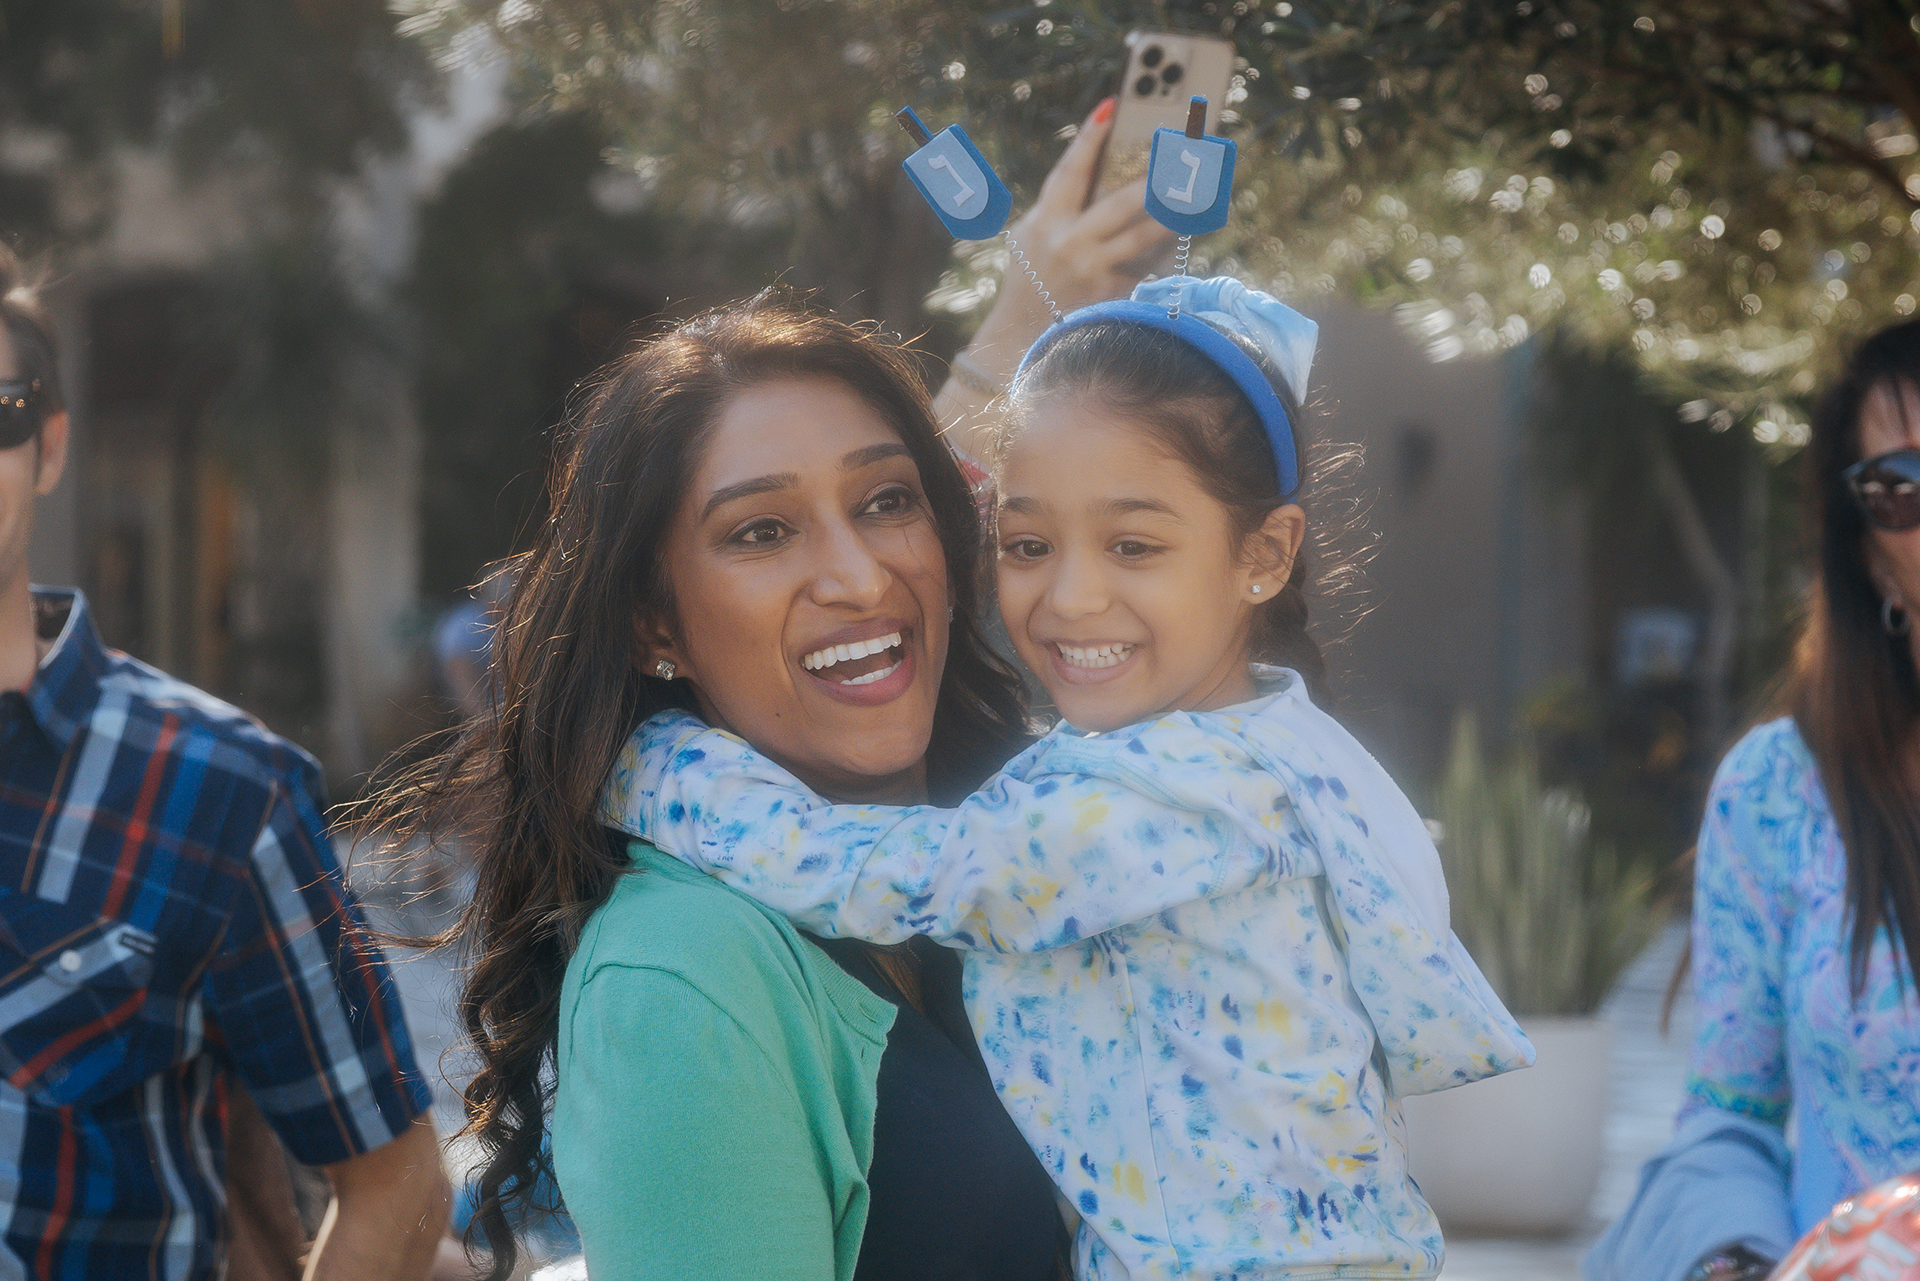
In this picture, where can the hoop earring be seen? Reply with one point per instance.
(1887, 610)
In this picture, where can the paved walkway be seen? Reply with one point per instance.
(1649, 1071)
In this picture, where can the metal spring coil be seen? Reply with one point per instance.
(1180, 270)
(1026, 265)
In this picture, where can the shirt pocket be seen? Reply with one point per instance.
(73, 989)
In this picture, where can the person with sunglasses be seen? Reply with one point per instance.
(1806, 916)
(173, 926)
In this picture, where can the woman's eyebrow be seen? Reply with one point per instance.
(748, 488)
(1023, 506)
(871, 454)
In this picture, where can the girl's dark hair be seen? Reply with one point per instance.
(520, 789)
(1197, 414)
(1852, 689)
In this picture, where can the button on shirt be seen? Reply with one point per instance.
(170, 913)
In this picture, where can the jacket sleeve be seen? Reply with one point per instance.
(1721, 1182)
(1439, 1021)
(1738, 1062)
(1075, 837)
(681, 1147)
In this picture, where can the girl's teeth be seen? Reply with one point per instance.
(871, 677)
(1095, 655)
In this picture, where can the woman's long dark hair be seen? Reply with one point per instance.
(1199, 415)
(1852, 689)
(521, 789)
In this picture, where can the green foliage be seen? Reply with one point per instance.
(501, 248)
(1551, 916)
(292, 95)
(1728, 190)
(524, 281)
(303, 88)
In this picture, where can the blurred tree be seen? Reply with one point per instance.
(1724, 187)
(1727, 191)
(301, 90)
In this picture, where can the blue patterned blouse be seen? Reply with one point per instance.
(1781, 1032)
(1199, 976)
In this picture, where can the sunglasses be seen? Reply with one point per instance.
(19, 412)
(1887, 488)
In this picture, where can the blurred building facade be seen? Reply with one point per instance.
(1476, 594)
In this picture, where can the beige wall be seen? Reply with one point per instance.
(1476, 593)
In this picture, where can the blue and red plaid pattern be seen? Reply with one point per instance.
(170, 913)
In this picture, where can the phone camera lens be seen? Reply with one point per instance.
(1151, 58)
(1143, 86)
(1173, 73)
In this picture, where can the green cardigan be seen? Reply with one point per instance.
(713, 1116)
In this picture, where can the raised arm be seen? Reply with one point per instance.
(1076, 836)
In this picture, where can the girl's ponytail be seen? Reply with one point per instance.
(1280, 634)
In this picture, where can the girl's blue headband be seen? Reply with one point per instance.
(1226, 354)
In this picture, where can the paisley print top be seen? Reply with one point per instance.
(1199, 980)
(1780, 1028)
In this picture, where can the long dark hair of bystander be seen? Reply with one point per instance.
(1852, 688)
(520, 789)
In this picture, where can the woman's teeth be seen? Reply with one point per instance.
(871, 677)
(1094, 655)
(821, 659)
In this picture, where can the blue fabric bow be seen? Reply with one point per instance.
(1210, 310)
(1285, 337)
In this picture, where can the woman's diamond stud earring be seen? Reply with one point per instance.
(663, 669)
(1256, 589)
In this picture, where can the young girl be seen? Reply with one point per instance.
(1207, 944)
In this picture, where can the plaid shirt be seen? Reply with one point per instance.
(170, 912)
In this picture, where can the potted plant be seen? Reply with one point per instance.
(1552, 917)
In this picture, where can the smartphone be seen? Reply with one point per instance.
(1165, 69)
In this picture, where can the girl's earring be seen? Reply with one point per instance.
(1894, 626)
(1256, 589)
(664, 669)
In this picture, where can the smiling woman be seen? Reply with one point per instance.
(819, 589)
(753, 519)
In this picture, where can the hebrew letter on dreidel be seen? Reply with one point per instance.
(1184, 196)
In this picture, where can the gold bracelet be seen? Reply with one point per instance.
(965, 368)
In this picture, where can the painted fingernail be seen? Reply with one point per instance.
(1103, 112)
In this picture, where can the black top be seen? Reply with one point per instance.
(956, 1194)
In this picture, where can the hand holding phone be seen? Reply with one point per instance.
(1085, 253)
(1165, 70)
(1088, 254)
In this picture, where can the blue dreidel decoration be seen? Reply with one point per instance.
(1189, 182)
(963, 189)
(956, 179)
